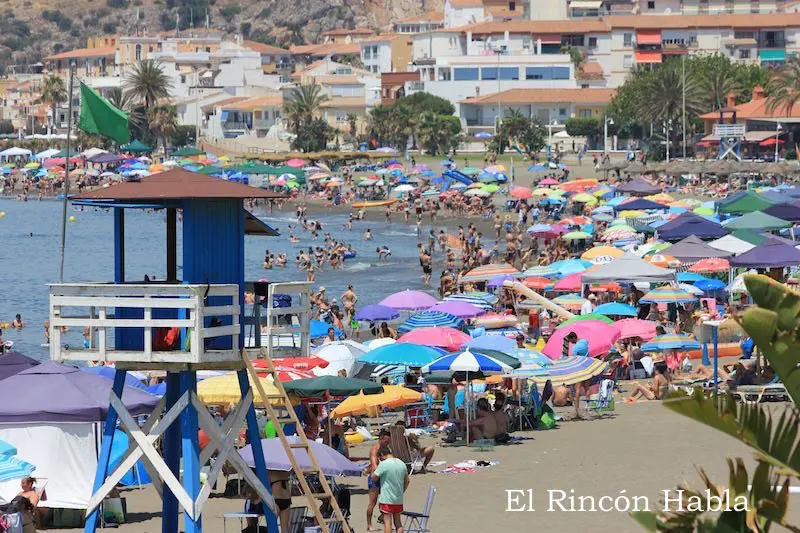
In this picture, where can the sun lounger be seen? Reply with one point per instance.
(418, 522)
(771, 392)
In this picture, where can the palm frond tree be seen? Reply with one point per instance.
(163, 122)
(716, 86)
(123, 101)
(148, 83)
(53, 92)
(306, 100)
(784, 87)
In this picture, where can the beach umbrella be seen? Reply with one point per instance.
(377, 343)
(671, 342)
(579, 185)
(570, 371)
(548, 181)
(404, 188)
(633, 327)
(581, 318)
(537, 282)
(470, 171)
(427, 319)
(565, 267)
(599, 335)
(7, 449)
(443, 337)
(400, 354)
(319, 328)
(224, 390)
(376, 312)
(472, 299)
(663, 261)
(571, 283)
(409, 300)
(546, 230)
(576, 236)
(13, 467)
(542, 271)
(494, 169)
(467, 361)
(667, 294)
(295, 363)
(459, 309)
(690, 277)
(325, 386)
(570, 301)
(477, 192)
(691, 289)
(498, 343)
(329, 460)
(601, 254)
(487, 272)
(522, 193)
(340, 354)
(287, 374)
(710, 265)
(295, 163)
(616, 309)
(392, 397)
(498, 281)
(491, 188)
(708, 285)
(584, 198)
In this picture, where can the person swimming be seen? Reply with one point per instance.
(383, 252)
(368, 235)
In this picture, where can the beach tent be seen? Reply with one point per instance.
(51, 414)
(106, 158)
(785, 211)
(692, 248)
(771, 254)
(758, 221)
(13, 363)
(687, 224)
(732, 244)
(745, 203)
(628, 268)
(136, 147)
(46, 154)
(15, 152)
(638, 187)
(641, 204)
(92, 152)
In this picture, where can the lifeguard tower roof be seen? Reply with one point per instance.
(176, 184)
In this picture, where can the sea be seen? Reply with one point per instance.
(30, 239)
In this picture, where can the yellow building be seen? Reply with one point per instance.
(133, 48)
(88, 62)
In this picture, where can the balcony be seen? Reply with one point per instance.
(238, 126)
(139, 316)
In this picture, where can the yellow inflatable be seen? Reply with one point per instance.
(72, 218)
(2, 214)
(353, 437)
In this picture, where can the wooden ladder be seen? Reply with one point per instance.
(281, 400)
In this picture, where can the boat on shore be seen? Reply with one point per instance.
(373, 203)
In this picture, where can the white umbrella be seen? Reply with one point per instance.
(691, 289)
(341, 355)
(377, 343)
(404, 188)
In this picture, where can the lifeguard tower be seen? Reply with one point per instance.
(730, 134)
(178, 325)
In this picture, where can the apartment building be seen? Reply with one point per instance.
(388, 52)
(430, 21)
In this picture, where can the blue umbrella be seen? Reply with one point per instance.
(614, 202)
(615, 308)
(477, 301)
(491, 342)
(565, 267)
(109, 372)
(671, 342)
(538, 168)
(427, 319)
(707, 285)
(498, 281)
(318, 328)
(7, 449)
(467, 361)
(690, 277)
(401, 354)
(376, 312)
(483, 135)
(14, 468)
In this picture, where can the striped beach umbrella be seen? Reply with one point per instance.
(400, 354)
(537, 282)
(477, 301)
(428, 319)
(667, 294)
(487, 272)
(543, 271)
(290, 374)
(671, 342)
(467, 361)
(571, 370)
(14, 468)
(459, 309)
(570, 301)
(711, 264)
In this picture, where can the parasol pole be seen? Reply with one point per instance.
(467, 405)
(66, 174)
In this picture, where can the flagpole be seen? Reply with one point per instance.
(66, 174)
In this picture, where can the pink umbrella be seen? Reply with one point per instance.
(548, 181)
(448, 338)
(295, 163)
(571, 283)
(633, 327)
(459, 309)
(601, 337)
(522, 193)
(409, 300)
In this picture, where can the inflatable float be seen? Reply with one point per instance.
(374, 203)
(724, 349)
(349, 254)
(496, 321)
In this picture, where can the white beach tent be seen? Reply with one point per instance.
(91, 152)
(732, 244)
(46, 154)
(15, 152)
(628, 268)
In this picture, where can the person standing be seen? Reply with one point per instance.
(393, 477)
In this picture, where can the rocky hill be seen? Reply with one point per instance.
(32, 29)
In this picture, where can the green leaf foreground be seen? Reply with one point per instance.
(774, 325)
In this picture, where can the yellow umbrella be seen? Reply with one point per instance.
(542, 191)
(32, 164)
(602, 251)
(392, 396)
(584, 198)
(662, 198)
(631, 214)
(224, 158)
(224, 390)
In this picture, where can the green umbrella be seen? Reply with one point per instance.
(324, 386)
(211, 169)
(576, 235)
(590, 316)
(188, 151)
(703, 211)
(292, 185)
(252, 168)
(136, 146)
(492, 187)
(63, 153)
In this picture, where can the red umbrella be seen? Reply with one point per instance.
(711, 264)
(296, 363)
(770, 142)
(522, 193)
(537, 283)
(571, 283)
(448, 338)
(600, 336)
(548, 181)
(289, 374)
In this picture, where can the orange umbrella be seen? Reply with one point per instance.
(537, 283)
(578, 185)
(711, 264)
(662, 260)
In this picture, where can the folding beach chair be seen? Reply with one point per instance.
(400, 447)
(418, 522)
(297, 519)
(605, 398)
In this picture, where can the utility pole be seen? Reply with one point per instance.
(66, 173)
(683, 91)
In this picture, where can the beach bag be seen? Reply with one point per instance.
(547, 420)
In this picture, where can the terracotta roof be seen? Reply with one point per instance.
(545, 96)
(502, 12)
(591, 70)
(344, 101)
(379, 38)
(430, 16)
(345, 32)
(263, 48)
(84, 52)
(223, 103)
(755, 20)
(257, 102)
(461, 4)
(177, 184)
(326, 49)
(757, 109)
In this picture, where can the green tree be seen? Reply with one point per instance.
(148, 83)
(576, 55)
(304, 102)
(53, 93)
(351, 122)
(517, 129)
(390, 125)
(421, 102)
(123, 101)
(439, 133)
(6, 127)
(783, 88)
(184, 135)
(313, 135)
(163, 122)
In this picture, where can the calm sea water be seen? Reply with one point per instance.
(29, 257)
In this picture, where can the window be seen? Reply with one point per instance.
(375, 51)
(506, 73)
(562, 112)
(343, 71)
(627, 61)
(546, 73)
(627, 40)
(512, 6)
(744, 53)
(466, 74)
(527, 43)
(341, 116)
(138, 52)
(592, 42)
(445, 75)
(651, 4)
(729, 6)
(367, 53)
(572, 40)
(585, 113)
(755, 6)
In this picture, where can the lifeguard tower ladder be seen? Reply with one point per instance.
(730, 140)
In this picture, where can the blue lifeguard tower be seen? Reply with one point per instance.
(178, 325)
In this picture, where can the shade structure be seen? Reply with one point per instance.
(427, 319)
(467, 361)
(459, 309)
(498, 281)
(663, 260)
(108, 373)
(643, 204)
(589, 316)
(188, 151)
(732, 244)
(296, 363)
(616, 309)
(571, 283)
(692, 248)
(224, 390)
(687, 224)
(106, 158)
(392, 397)
(487, 272)
(599, 335)
(448, 338)
(319, 328)
(602, 254)
(475, 299)
(708, 285)
(671, 342)
(758, 221)
(784, 211)
(711, 265)
(571, 370)
(376, 312)
(409, 300)
(537, 283)
(400, 354)
(288, 374)
(771, 254)
(341, 355)
(499, 343)
(628, 268)
(13, 363)
(576, 236)
(744, 203)
(521, 193)
(633, 327)
(638, 187)
(330, 461)
(690, 277)
(325, 386)
(58, 393)
(663, 295)
(136, 147)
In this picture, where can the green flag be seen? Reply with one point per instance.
(98, 116)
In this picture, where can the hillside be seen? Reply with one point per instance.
(32, 29)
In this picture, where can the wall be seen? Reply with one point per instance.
(439, 44)
(454, 18)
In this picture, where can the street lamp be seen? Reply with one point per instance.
(778, 129)
(606, 122)
(550, 125)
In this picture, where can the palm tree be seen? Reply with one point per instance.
(53, 93)
(784, 86)
(716, 87)
(303, 103)
(123, 101)
(163, 122)
(148, 83)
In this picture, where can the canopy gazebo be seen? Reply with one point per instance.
(628, 268)
(687, 224)
(136, 147)
(692, 248)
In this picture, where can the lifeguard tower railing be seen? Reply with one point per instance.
(202, 321)
(730, 139)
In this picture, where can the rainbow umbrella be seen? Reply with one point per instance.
(571, 370)
(667, 294)
(487, 272)
(671, 342)
(581, 318)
